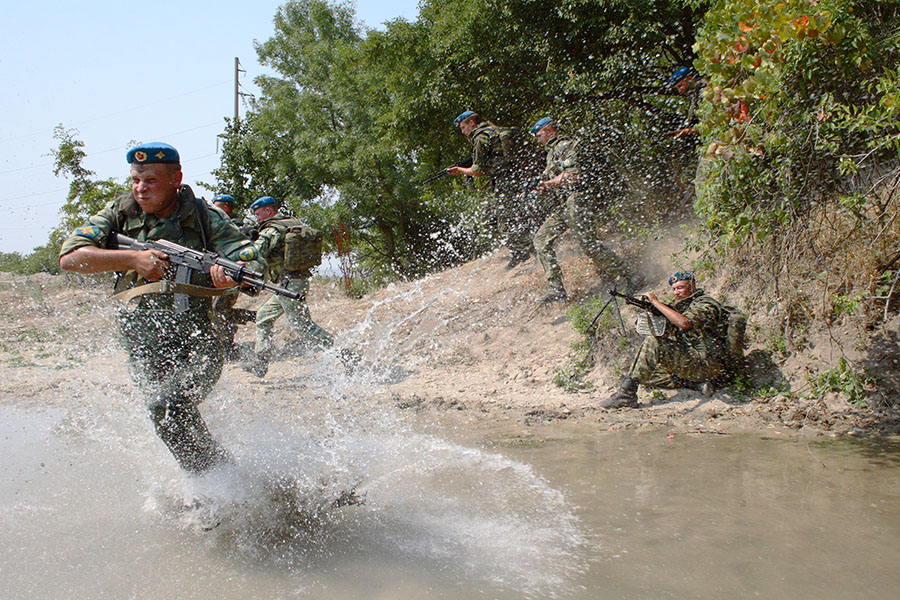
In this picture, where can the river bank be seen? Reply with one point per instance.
(470, 340)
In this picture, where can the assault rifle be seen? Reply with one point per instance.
(642, 302)
(186, 260)
(464, 162)
(653, 321)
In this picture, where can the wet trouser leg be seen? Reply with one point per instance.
(176, 359)
(225, 321)
(582, 214)
(513, 224)
(297, 313)
(544, 240)
(181, 427)
(266, 316)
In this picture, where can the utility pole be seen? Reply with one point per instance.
(237, 86)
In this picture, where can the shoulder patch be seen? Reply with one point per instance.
(91, 232)
(248, 253)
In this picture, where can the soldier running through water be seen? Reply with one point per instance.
(273, 244)
(175, 356)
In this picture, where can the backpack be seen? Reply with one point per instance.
(302, 245)
(735, 323)
(509, 142)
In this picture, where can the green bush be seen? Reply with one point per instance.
(852, 386)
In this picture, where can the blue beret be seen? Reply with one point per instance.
(264, 201)
(153, 152)
(540, 125)
(679, 74)
(463, 117)
(223, 198)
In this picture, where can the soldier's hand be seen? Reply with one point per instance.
(219, 278)
(152, 265)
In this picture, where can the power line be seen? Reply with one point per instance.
(117, 148)
(120, 112)
(32, 195)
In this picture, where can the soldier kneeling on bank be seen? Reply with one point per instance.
(701, 339)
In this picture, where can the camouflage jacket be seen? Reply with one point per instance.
(708, 323)
(562, 156)
(270, 244)
(487, 153)
(184, 227)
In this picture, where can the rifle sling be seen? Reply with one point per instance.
(167, 286)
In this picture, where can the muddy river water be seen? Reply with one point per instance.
(451, 510)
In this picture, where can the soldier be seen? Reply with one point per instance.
(687, 82)
(272, 244)
(691, 353)
(224, 304)
(494, 154)
(575, 207)
(226, 204)
(175, 356)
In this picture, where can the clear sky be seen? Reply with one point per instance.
(118, 72)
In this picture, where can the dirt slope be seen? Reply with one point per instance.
(469, 339)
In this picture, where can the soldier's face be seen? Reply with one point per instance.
(682, 289)
(264, 212)
(155, 188)
(682, 86)
(545, 134)
(226, 207)
(467, 126)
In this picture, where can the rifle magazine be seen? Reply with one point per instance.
(647, 324)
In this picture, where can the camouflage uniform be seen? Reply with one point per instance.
(693, 355)
(693, 93)
(574, 208)
(224, 308)
(271, 247)
(174, 358)
(503, 210)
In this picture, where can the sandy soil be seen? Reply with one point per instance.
(470, 339)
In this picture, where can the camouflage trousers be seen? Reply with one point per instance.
(176, 360)
(297, 313)
(225, 322)
(580, 216)
(514, 223)
(667, 363)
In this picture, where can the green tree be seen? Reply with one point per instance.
(801, 123)
(87, 195)
(318, 140)
(355, 115)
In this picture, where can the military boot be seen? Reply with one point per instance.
(704, 387)
(258, 366)
(625, 397)
(516, 258)
(554, 295)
